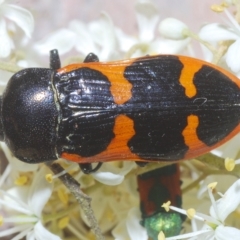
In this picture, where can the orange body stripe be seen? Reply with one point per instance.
(196, 146)
(187, 75)
(117, 149)
(193, 63)
(120, 86)
(190, 134)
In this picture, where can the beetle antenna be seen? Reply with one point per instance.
(55, 62)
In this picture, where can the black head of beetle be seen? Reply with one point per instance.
(29, 115)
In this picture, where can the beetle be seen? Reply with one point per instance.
(154, 108)
(156, 187)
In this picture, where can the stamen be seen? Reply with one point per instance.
(212, 185)
(63, 222)
(161, 236)
(217, 8)
(21, 180)
(1, 220)
(63, 196)
(229, 164)
(166, 206)
(49, 177)
(224, 4)
(191, 213)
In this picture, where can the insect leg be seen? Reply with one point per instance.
(87, 167)
(141, 164)
(91, 57)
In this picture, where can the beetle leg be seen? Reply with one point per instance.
(141, 164)
(55, 62)
(91, 57)
(87, 167)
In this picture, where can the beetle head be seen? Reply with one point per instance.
(29, 115)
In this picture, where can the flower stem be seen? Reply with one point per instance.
(83, 199)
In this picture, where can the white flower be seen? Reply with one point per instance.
(24, 205)
(146, 42)
(229, 149)
(20, 17)
(111, 205)
(172, 28)
(130, 227)
(216, 32)
(14, 168)
(113, 174)
(97, 37)
(213, 226)
(16, 164)
(147, 18)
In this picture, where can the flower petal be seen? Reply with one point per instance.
(232, 21)
(232, 56)
(30, 236)
(103, 34)
(41, 233)
(120, 232)
(147, 18)
(125, 41)
(63, 40)
(39, 192)
(228, 203)
(229, 149)
(22, 233)
(207, 54)
(202, 234)
(5, 76)
(16, 229)
(84, 42)
(22, 17)
(112, 174)
(15, 198)
(135, 229)
(172, 28)
(226, 233)
(217, 32)
(109, 178)
(6, 43)
(169, 46)
(17, 165)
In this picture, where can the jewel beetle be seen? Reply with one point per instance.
(157, 187)
(153, 108)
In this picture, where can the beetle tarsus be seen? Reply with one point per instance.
(91, 57)
(55, 62)
(87, 167)
(141, 164)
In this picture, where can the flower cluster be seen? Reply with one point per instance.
(212, 226)
(32, 207)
